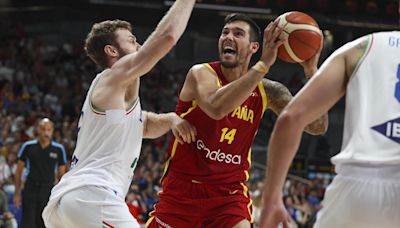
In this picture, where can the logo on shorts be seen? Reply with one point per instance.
(390, 129)
(218, 155)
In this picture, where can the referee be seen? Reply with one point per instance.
(43, 158)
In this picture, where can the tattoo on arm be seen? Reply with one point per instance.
(278, 96)
(318, 126)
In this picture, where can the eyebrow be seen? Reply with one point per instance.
(234, 28)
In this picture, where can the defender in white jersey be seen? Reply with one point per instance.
(366, 191)
(112, 125)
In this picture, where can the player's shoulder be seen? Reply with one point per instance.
(29, 143)
(201, 69)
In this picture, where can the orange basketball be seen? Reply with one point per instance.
(304, 37)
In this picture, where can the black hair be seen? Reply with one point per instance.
(255, 31)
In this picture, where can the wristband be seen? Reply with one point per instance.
(260, 67)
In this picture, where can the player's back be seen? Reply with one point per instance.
(372, 116)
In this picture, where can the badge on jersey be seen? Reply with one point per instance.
(53, 155)
(390, 129)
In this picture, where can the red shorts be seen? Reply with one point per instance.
(187, 203)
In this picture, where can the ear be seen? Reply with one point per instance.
(110, 51)
(254, 46)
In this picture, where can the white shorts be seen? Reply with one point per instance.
(91, 207)
(362, 197)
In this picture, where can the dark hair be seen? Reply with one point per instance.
(103, 34)
(255, 31)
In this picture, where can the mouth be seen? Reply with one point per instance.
(228, 51)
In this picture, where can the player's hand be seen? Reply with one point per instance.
(17, 200)
(271, 43)
(274, 214)
(310, 66)
(183, 130)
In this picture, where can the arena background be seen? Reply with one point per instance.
(44, 72)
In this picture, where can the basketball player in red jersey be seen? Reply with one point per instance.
(204, 183)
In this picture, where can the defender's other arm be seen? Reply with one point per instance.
(156, 125)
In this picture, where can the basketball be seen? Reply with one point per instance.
(303, 37)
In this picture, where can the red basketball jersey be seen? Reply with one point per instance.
(222, 151)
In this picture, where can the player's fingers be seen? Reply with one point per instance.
(267, 32)
(279, 42)
(185, 133)
(192, 132)
(277, 34)
(177, 136)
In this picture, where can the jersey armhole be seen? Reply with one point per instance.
(263, 95)
(214, 73)
(363, 56)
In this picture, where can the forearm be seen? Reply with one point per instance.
(17, 183)
(156, 125)
(229, 97)
(320, 125)
(285, 140)
(175, 21)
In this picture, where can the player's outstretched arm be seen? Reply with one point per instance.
(156, 125)
(201, 83)
(315, 98)
(158, 44)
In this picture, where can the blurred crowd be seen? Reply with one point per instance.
(39, 79)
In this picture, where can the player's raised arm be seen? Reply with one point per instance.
(158, 44)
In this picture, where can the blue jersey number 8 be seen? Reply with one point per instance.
(397, 88)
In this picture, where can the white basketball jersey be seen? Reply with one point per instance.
(107, 150)
(372, 116)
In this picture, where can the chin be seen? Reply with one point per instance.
(228, 64)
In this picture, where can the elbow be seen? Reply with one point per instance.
(216, 113)
(170, 37)
(290, 120)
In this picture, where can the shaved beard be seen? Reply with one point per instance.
(121, 52)
(229, 64)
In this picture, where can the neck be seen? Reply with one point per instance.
(44, 142)
(232, 74)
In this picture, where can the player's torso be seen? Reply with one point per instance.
(108, 145)
(372, 122)
(221, 152)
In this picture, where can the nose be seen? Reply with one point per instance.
(229, 36)
(138, 46)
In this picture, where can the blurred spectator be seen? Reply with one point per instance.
(7, 219)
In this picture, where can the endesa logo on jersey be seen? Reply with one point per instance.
(218, 155)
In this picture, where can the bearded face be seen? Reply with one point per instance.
(234, 44)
